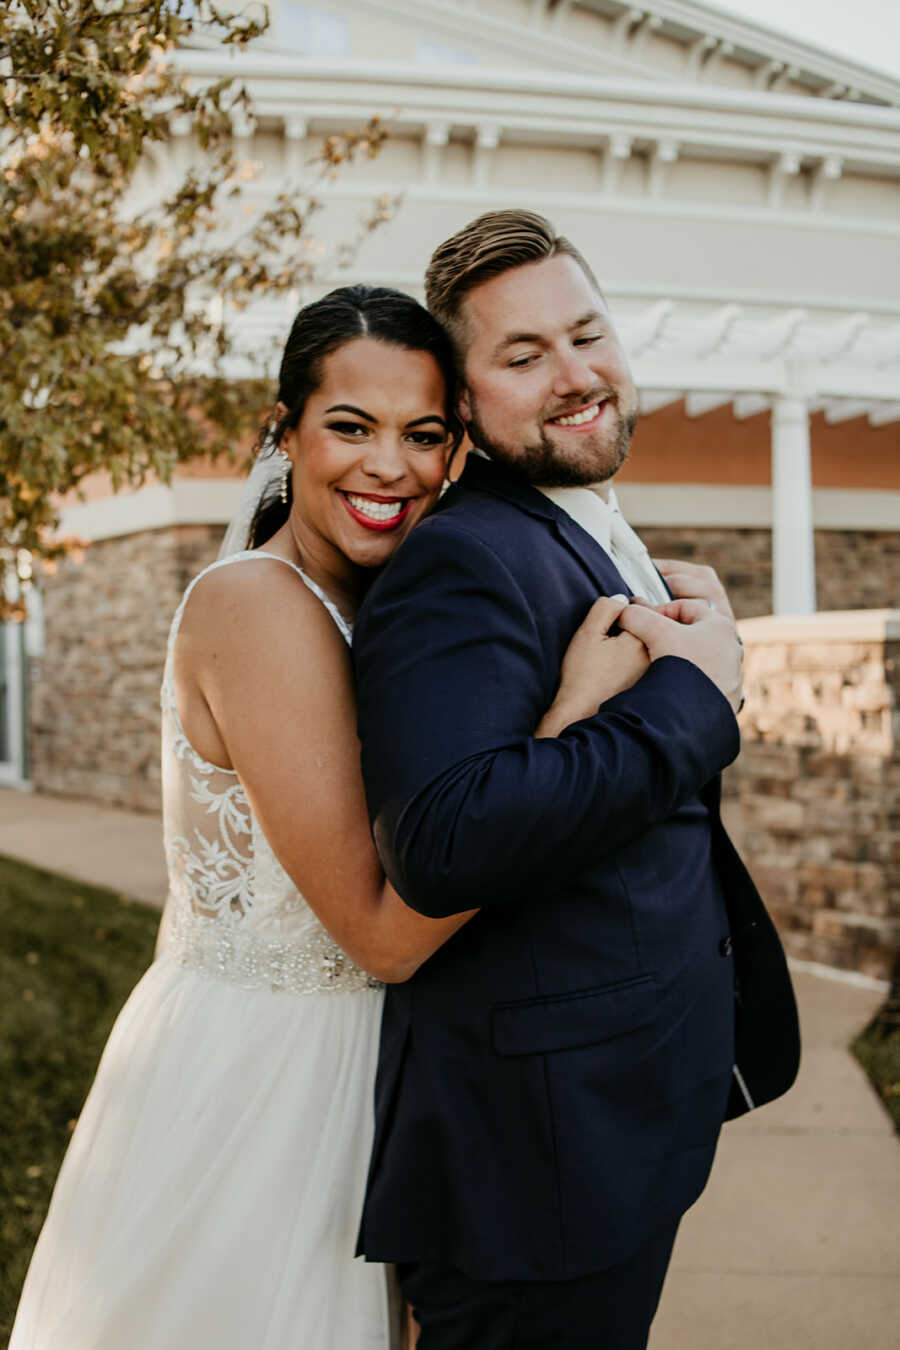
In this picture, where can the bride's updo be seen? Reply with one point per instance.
(319, 330)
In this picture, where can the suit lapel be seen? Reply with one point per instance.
(595, 560)
(484, 475)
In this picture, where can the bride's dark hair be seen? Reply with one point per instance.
(318, 331)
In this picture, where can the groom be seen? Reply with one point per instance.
(552, 1082)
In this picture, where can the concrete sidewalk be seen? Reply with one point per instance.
(121, 850)
(795, 1244)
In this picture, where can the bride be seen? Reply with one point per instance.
(211, 1193)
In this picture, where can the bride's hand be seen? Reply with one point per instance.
(595, 667)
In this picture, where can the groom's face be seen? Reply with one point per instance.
(546, 387)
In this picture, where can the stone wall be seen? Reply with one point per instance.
(855, 569)
(814, 799)
(742, 558)
(94, 693)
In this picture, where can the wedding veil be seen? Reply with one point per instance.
(262, 480)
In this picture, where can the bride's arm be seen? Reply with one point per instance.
(264, 686)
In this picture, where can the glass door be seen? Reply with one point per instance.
(12, 704)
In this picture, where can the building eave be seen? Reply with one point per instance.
(759, 39)
(562, 106)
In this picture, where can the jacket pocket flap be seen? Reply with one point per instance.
(565, 1021)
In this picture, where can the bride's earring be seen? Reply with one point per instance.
(285, 474)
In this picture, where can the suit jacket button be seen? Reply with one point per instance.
(725, 946)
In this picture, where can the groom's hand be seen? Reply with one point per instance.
(693, 630)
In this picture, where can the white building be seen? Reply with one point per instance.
(736, 191)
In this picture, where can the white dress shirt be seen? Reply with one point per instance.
(604, 522)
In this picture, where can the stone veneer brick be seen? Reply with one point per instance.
(855, 569)
(814, 799)
(815, 796)
(94, 695)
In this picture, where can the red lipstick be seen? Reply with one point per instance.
(368, 522)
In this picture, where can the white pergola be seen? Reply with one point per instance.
(791, 363)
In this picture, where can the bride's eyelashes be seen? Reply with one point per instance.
(427, 439)
(421, 439)
(353, 429)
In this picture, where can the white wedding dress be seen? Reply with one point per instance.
(211, 1193)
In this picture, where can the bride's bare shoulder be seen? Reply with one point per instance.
(255, 600)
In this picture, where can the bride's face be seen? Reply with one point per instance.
(369, 453)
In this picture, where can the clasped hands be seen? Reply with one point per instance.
(698, 625)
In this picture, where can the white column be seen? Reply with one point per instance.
(437, 134)
(793, 543)
(487, 138)
(664, 153)
(784, 167)
(829, 171)
(296, 129)
(618, 150)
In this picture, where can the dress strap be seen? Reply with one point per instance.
(245, 556)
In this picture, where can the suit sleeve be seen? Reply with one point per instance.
(468, 808)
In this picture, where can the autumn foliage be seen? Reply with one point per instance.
(115, 331)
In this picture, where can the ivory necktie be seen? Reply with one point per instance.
(604, 522)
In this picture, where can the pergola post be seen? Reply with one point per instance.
(793, 541)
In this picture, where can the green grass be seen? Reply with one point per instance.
(69, 957)
(878, 1051)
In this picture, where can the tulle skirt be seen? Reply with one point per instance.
(211, 1193)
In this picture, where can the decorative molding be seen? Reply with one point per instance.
(189, 501)
(664, 153)
(881, 417)
(618, 150)
(756, 124)
(652, 400)
(710, 506)
(203, 501)
(682, 20)
(533, 40)
(757, 39)
(845, 410)
(698, 404)
(668, 209)
(619, 292)
(787, 165)
(437, 134)
(749, 405)
(829, 171)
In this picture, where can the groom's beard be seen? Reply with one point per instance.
(592, 458)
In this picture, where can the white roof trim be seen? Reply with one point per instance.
(476, 25)
(542, 43)
(680, 93)
(774, 45)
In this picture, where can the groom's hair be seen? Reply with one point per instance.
(495, 243)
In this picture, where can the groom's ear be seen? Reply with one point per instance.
(463, 405)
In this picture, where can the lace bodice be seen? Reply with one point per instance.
(232, 911)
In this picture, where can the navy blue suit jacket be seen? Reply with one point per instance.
(552, 1082)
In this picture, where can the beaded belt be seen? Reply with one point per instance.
(313, 964)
